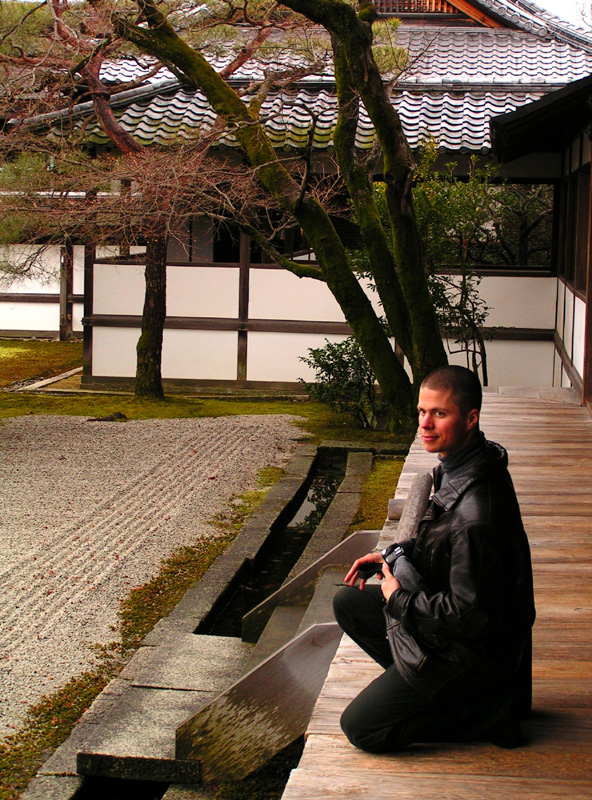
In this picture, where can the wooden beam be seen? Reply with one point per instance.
(479, 16)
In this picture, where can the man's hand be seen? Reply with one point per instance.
(352, 575)
(389, 584)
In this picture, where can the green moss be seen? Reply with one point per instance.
(34, 359)
(47, 725)
(378, 490)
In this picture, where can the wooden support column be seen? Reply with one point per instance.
(587, 376)
(66, 287)
(243, 306)
(89, 268)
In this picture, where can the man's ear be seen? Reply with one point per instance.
(473, 419)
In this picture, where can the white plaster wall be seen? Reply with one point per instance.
(557, 370)
(77, 314)
(206, 355)
(30, 316)
(277, 294)
(114, 352)
(185, 354)
(568, 322)
(275, 356)
(49, 283)
(579, 332)
(78, 277)
(560, 308)
(202, 292)
(520, 302)
(517, 363)
(565, 381)
(118, 289)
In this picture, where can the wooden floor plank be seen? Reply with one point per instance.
(549, 443)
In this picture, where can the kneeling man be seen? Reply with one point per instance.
(451, 619)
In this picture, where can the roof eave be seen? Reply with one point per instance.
(543, 126)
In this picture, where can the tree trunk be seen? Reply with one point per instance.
(149, 347)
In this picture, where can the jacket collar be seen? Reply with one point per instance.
(478, 460)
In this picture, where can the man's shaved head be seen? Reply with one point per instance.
(464, 385)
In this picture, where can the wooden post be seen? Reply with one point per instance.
(89, 268)
(587, 376)
(243, 306)
(66, 285)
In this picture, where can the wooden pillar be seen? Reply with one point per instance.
(66, 286)
(587, 376)
(89, 268)
(243, 305)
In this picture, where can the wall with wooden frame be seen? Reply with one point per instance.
(573, 326)
(248, 325)
(50, 306)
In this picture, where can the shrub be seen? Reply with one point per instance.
(345, 382)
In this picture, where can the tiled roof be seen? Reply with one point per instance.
(532, 18)
(458, 121)
(458, 78)
(490, 56)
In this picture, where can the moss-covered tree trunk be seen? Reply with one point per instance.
(400, 278)
(149, 347)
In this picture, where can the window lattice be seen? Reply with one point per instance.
(414, 7)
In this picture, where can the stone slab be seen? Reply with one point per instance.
(189, 662)
(128, 722)
(182, 792)
(48, 787)
(133, 768)
(299, 590)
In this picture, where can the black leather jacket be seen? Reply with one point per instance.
(468, 629)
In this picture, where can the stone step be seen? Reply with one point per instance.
(131, 726)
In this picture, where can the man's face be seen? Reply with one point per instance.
(443, 427)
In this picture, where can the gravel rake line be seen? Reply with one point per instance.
(144, 502)
(70, 490)
(140, 496)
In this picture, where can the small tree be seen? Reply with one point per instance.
(344, 381)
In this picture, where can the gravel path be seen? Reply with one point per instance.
(87, 512)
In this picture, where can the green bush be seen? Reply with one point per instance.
(345, 382)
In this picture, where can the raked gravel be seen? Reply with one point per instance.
(87, 512)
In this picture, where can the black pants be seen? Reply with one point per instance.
(389, 713)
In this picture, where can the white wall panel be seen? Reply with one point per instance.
(565, 381)
(114, 352)
(560, 308)
(277, 294)
(557, 370)
(519, 302)
(202, 292)
(517, 363)
(118, 289)
(49, 283)
(275, 356)
(579, 334)
(568, 322)
(78, 280)
(30, 316)
(77, 313)
(199, 355)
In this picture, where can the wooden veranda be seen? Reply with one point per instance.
(549, 441)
